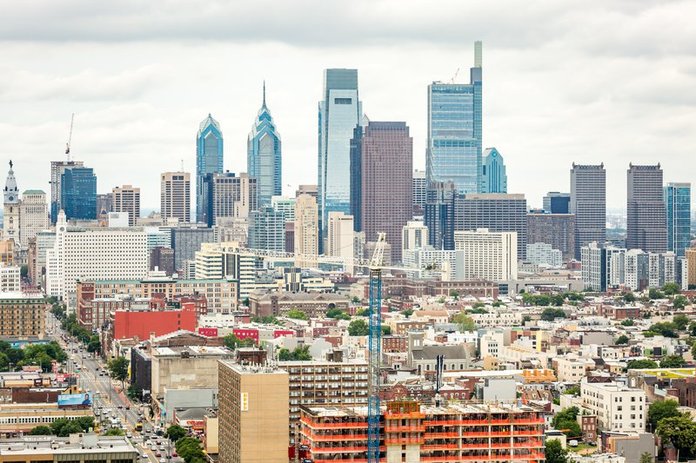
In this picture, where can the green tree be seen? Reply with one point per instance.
(297, 314)
(114, 432)
(672, 361)
(386, 330)
(189, 448)
(232, 342)
(364, 312)
(681, 321)
(655, 294)
(358, 327)
(680, 302)
(85, 422)
(550, 314)
(118, 369)
(566, 420)
(355, 300)
(646, 457)
(554, 452)
(41, 431)
(407, 313)
(337, 314)
(681, 432)
(622, 340)
(627, 322)
(670, 289)
(573, 390)
(454, 294)
(464, 322)
(629, 297)
(175, 432)
(300, 353)
(666, 329)
(660, 410)
(640, 364)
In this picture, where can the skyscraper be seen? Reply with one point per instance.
(453, 150)
(646, 222)
(678, 204)
(79, 193)
(341, 238)
(264, 162)
(340, 111)
(557, 203)
(386, 174)
(439, 214)
(230, 196)
(33, 213)
(57, 169)
(209, 152)
(306, 231)
(493, 173)
(175, 196)
(126, 198)
(11, 211)
(267, 230)
(588, 201)
(420, 188)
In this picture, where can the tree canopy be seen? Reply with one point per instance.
(550, 314)
(358, 327)
(672, 361)
(300, 353)
(118, 368)
(297, 314)
(566, 421)
(175, 432)
(681, 432)
(660, 410)
(232, 341)
(464, 322)
(554, 452)
(640, 364)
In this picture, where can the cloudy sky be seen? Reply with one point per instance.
(580, 81)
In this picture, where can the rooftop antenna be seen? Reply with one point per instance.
(182, 165)
(67, 145)
(264, 92)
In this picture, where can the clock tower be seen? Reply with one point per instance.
(11, 211)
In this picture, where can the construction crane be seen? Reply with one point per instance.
(67, 145)
(375, 350)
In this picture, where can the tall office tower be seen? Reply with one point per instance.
(488, 255)
(420, 188)
(175, 196)
(439, 214)
(341, 238)
(558, 230)
(678, 204)
(493, 172)
(79, 193)
(356, 170)
(453, 150)
(557, 203)
(588, 201)
(186, 240)
(306, 232)
(57, 170)
(267, 230)
(286, 206)
(33, 213)
(254, 415)
(230, 196)
(690, 256)
(126, 198)
(10, 221)
(414, 236)
(646, 222)
(498, 212)
(209, 152)
(264, 162)
(340, 110)
(386, 179)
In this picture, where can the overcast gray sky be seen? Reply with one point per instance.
(587, 81)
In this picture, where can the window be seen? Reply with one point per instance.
(343, 100)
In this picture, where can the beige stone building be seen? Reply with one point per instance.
(22, 315)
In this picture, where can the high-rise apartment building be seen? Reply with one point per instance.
(453, 150)
(340, 111)
(253, 413)
(646, 222)
(57, 170)
(678, 204)
(420, 189)
(11, 219)
(286, 206)
(414, 236)
(558, 230)
(386, 178)
(493, 172)
(186, 240)
(264, 160)
(306, 232)
(209, 155)
(488, 255)
(33, 213)
(126, 198)
(340, 240)
(175, 196)
(439, 214)
(557, 203)
(267, 230)
(230, 195)
(588, 201)
(496, 212)
(79, 193)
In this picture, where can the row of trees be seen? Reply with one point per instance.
(557, 299)
(63, 427)
(41, 355)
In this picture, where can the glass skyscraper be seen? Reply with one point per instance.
(208, 160)
(493, 173)
(340, 111)
(678, 205)
(264, 161)
(79, 193)
(453, 151)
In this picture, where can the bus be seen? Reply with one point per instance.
(139, 426)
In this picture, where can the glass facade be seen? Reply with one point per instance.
(264, 162)
(453, 151)
(678, 205)
(209, 151)
(79, 193)
(493, 174)
(340, 111)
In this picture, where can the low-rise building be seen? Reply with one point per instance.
(22, 315)
(77, 448)
(618, 407)
(185, 367)
(278, 303)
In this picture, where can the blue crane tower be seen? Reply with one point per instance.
(375, 350)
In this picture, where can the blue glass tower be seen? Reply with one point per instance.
(453, 151)
(493, 173)
(340, 111)
(678, 205)
(264, 162)
(79, 193)
(208, 160)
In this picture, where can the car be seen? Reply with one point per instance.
(129, 435)
(153, 448)
(127, 407)
(174, 454)
(163, 460)
(158, 454)
(162, 447)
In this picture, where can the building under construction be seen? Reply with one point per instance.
(411, 432)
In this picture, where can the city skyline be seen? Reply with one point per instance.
(125, 113)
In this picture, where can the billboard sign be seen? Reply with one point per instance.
(71, 400)
(210, 332)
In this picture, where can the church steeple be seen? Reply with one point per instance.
(11, 190)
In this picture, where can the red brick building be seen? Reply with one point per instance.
(140, 324)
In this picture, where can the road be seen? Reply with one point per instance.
(92, 376)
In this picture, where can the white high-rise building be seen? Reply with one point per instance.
(544, 254)
(285, 205)
(33, 215)
(341, 238)
(618, 407)
(487, 255)
(175, 196)
(414, 235)
(10, 222)
(10, 279)
(93, 253)
(637, 269)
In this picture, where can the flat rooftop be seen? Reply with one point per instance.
(48, 445)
